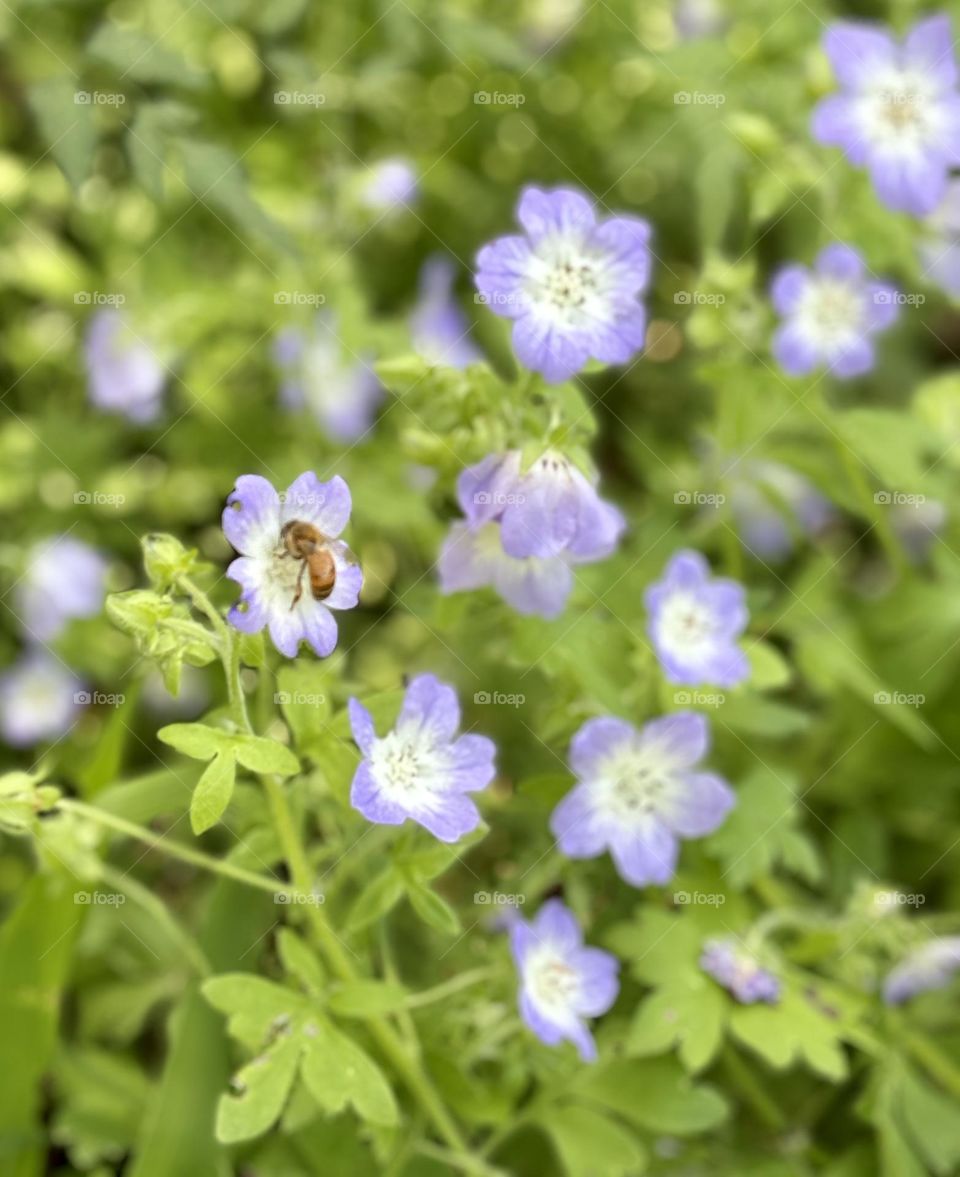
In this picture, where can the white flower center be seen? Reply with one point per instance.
(901, 110)
(636, 784)
(686, 624)
(406, 765)
(832, 312)
(552, 983)
(566, 281)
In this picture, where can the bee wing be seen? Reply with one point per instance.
(341, 552)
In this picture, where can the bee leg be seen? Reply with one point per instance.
(299, 593)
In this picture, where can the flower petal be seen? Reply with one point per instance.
(595, 741)
(324, 504)
(645, 854)
(929, 50)
(858, 52)
(472, 763)
(698, 805)
(794, 350)
(250, 613)
(502, 268)
(578, 826)
(556, 925)
(915, 184)
(251, 518)
(367, 798)
(841, 262)
(448, 816)
(361, 726)
(854, 360)
(599, 981)
(677, 741)
(541, 346)
(837, 122)
(431, 706)
(559, 211)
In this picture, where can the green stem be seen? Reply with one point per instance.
(461, 1161)
(937, 1064)
(454, 985)
(229, 645)
(174, 849)
(752, 1090)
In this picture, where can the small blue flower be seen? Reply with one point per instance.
(638, 794)
(562, 983)
(898, 112)
(441, 333)
(830, 314)
(571, 284)
(524, 532)
(421, 770)
(771, 504)
(64, 578)
(929, 966)
(125, 375)
(694, 623)
(391, 185)
(341, 395)
(276, 586)
(39, 699)
(739, 971)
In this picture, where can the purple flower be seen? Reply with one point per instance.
(695, 19)
(64, 578)
(275, 581)
(422, 769)
(562, 983)
(930, 966)
(571, 284)
(695, 622)
(343, 397)
(830, 314)
(523, 531)
(898, 111)
(392, 184)
(125, 376)
(39, 700)
(940, 251)
(738, 970)
(638, 794)
(438, 325)
(770, 503)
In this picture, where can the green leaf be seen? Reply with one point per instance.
(380, 895)
(141, 56)
(654, 1093)
(196, 740)
(261, 1087)
(300, 961)
(337, 1072)
(367, 999)
(432, 909)
(254, 1007)
(66, 124)
(768, 667)
(590, 1144)
(691, 1013)
(794, 1030)
(212, 793)
(260, 754)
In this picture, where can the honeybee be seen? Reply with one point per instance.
(314, 550)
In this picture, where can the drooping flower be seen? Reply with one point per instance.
(390, 185)
(771, 504)
(276, 580)
(524, 531)
(929, 966)
(421, 770)
(39, 699)
(562, 982)
(63, 579)
(441, 333)
(571, 284)
(898, 110)
(940, 250)
(124, 373)
(831, 314)
(341, 394)
(739, 971)
(694, 624)
(638, 793)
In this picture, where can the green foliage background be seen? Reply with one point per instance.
(199, 198)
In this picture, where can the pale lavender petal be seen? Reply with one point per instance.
(287, 630)
(448, 816)
(599, 529)
(728, 602)
(349, 582)
(251, 518)
(472, 763)
(544, 348)
(858, 52)
(502, 268)
(680, 740)
(794, 350)
(484, 490)
(599, 980)
(250, 613)
(562, 211)
(837, 121)
(627, 241)
(577, 824)
(594, 742)
(841, 262)
(617, 339)
(914, 184)
(556, 925)
(324, 504)
(699, 805)
(929, 50)
(883, 307)
(431, 706)
(367, 797)
(645, 855)
(319, 627)
(854, 360)
(788, 288)
(361, 726)
(464, 563)
(549, 1033)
